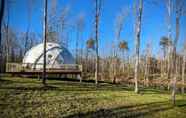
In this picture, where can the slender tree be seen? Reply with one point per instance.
(79, 30)
(139, 10)
(119, 25)
(44, 42)
(169, 15)
(52, 22)
(63, 20)
(165, 43)
(97, 18)
(7, 31)
(179, 5)
(123, 46)
(183, 68)
(90, 45)
(2, 3)
(147, 63)
(26, 46)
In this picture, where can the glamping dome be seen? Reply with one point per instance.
(56, 55)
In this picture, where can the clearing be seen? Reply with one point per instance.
(26, 97)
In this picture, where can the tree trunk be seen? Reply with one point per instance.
(98, 6)
(183, 74)
(169, 36)
(175, 59)
(123, 61)
(174, 78)
(7, 42)
(137, 44)
(146, 72)
(7, 36)
(77, 46)
(1, 18)
(44, 42)
(26, 41)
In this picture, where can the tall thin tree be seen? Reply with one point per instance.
(2, 3)
(97, 18)
(120, 21)
(169, 11)
(179, 8)
(29, 16)
(147, 63)
(79, 31)
(139, 10)
(123, 46)
(7, 31)
(183, 68)
(44, 41)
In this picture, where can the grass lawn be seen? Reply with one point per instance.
(24, 97)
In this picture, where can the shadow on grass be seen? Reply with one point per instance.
(71, 85)
(67, 85)
(133, 111)
(31, 88)
(153, 91)
(3, 81)
(64, 87)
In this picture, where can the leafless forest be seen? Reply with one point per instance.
(123, 65)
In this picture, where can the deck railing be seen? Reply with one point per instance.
(13, 67)
(23, 67)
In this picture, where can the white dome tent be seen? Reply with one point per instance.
(56, 56)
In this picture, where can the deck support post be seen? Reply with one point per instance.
(38, 77)
(79, 77)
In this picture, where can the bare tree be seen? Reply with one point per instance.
(52, 23)
(121, 17)
(44, 41)
(123, 45)
(79, 31)
(179, 5)
(63, 22)
(119, 25)
(183, 68)
(90, 58)
(29, 16)
(165, 43)
(147, 63)
(139, 10)
(7, 30)
(97, 18)
(169, 15)
(2, 3)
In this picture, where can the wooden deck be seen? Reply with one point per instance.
(66, 69)
(47, 71)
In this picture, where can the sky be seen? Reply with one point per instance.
(154, 24)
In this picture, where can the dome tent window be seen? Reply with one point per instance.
(60, 59)
(57, 55)
(49, 56)
(49, 45)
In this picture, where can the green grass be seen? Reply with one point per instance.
(24, 97)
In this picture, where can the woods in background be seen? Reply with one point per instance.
(119, 66)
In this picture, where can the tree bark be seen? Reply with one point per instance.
(1, 19)
(7, 36)
(169, 36)
(183, 73)
(97, 14)
(146, 71)
(137, 44)
(174, 57)
(44, 42)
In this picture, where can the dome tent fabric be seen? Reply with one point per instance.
(56, 55)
